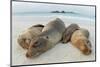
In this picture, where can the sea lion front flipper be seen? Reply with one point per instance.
(64, 38)
(39, 25)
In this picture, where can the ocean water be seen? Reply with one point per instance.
(44, 10)
(54, 14)
(76, 16)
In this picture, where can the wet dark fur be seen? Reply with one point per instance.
(68, 32)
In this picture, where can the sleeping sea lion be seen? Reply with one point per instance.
(68, 32)
(26, 36)
(80, 40)
(50, 36)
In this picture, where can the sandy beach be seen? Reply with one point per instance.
(61, 52)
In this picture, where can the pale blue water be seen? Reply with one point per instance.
(55, 14)
(73, 15)
(41, 9)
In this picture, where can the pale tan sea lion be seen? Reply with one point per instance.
(80, 40)
(26, 36)
(68, 32)
(50, 36)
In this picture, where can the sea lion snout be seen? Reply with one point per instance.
(28, 55)
(86, 50)
(31, 52)
(36, 47)
(85, 46)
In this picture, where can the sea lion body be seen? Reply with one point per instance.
(54, 30)
(80, 40)
(26, 36)
(68, 32)
(50, 36)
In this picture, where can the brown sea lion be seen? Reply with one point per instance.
(26, 36)
(50, 36)
(68, 32)
(80, 40)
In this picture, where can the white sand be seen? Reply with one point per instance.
(61, 52)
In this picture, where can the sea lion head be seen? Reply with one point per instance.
(37, 46)
(23, 42)
(85, 46)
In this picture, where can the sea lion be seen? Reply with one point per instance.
(26, 36)
(50, 36)
(68, 32)
(80, 40)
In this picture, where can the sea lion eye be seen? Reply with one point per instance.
(47, 37)
(89, 43)
(36, 42)
(24, 39)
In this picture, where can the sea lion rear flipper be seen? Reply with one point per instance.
(22, 42)
(37, 25)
